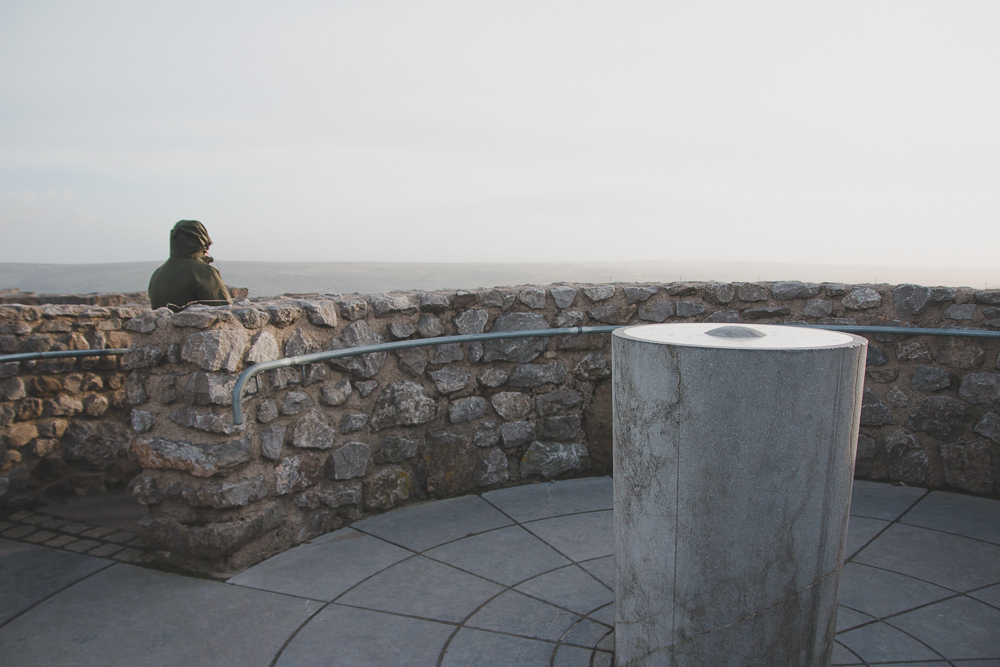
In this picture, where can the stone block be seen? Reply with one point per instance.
(211, 422)
(765, 312)
(350, 461)
(896, 398)
(225, 494)
(429, 326)
(549, 459)
(337, 393)
(471, 322)
(910, 300)
(511, 405)
(95, 405)
(396, 448)
(412, 361)
(929, 378)
(387, 304)
(450, 379)
(18, 435)
(515, 434)
(907, 459)
(862, 298)
(163, 389)
(967, 466)
(202, 388)
(793, 289)
(537, 375)
(143, 356)
(446, 354)
(387, 487)
(300, 343)
(271, 440)
(689, 309)
(451, 463)
(520, 350)
(365, 387)
(492, 469)
(402, 404)
(356, 335)
(267, 411)
(940, 415)
(433, 302)
(486, 434)
(220, 349)
(599, 293)
(593, 366)
(332, 497)
(353, 422)
(561, 428)
(532, 297)
(283, 315)
(401, 330)
(719, 293)
(965, 311)
(612, 314)
(657, 312)
(12, 389)
(212, 541)
(252, 318)
(312, 431)
(198, 459)
(751, 292)
(295, 473)
(980, 388)
(640, 293)
(563, 296)
(62, 406)
(467, 409)
(296, 402)
(912, 350)
(195, 317)
(321, 313)
(873, 411)
(989, 297)
(493, 377)
(570, 318)
(989, 427)
(818, 308)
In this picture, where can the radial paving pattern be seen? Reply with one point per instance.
(519, 576)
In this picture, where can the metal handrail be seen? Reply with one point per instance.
(61, 354)
(237, 401)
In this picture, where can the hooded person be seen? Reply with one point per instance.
(187, 276)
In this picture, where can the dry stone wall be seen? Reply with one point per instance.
(331, 442)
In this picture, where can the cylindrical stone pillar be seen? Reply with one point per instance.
(733, 461)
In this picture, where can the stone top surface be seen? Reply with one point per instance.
(739, 336)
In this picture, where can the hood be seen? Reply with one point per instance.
(189, 239)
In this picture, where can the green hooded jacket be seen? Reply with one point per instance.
(186, 277)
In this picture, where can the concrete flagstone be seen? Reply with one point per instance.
(487, 588)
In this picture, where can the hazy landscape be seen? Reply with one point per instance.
(273, 278)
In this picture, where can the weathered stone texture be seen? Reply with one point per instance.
(220, 349)
(550, 459)
(402, 404)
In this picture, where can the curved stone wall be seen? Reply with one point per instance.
(328, 443)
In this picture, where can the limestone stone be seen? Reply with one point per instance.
(267, 411)
(961, 353)
(910, 300)
(321, 313)
(912, 350)
(295, 473)
(62, 406)
(492, 469)
(486, 434)
(471, 322)
(387, 304)
(640, 293)
(95, 405)
(208, 421)
(896, 398)
(433, 302)
(989, 297)
(514, 434)
(467, 409)
(283, 315)
(536, 375)
(143, 356)
(356, 335)
(225, 494)
(219, 349)
(387, 487)
(557, 401)
(511, 405)
(980, 388)
(451, 463)
(271, 440)
(312, 431)
(493, 377)
(751, 292)
(939, 415)
(561, 427)
(532, 297)
(300, 343)
(450, 379)
(401, 330)
(593, 366)
(446, 354)
(350, 460)
(873, 411)
(352, 422)
(563, 296)
(764, 312)
(792, 289)
(989, 427)
(402, 404)
(396, 448)
(967, 466)
(865, 457)
(689, 309)
(723, 316)
(599, 293)
(818, 308)
(965, 311)
(198, 459)
(412, 360)
(353, 308)
(251, 318)
(657, 312)
(549, 459)
(429, 326)
(929, 378)
(337, 393)
(365, 387)
(862, 298)
(907, 459)
(521, 350)
(295, 402)
(611, 314)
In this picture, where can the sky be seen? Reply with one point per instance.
(830, 132)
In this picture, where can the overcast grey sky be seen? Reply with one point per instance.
(828, 132)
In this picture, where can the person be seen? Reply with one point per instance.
(187, 276)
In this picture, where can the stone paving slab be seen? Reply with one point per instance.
(488, 589)
(29, 574)
(127, 615)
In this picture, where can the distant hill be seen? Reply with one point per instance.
(273, 278)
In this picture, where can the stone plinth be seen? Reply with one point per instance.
(733, 460)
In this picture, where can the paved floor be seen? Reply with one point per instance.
(519, 576)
